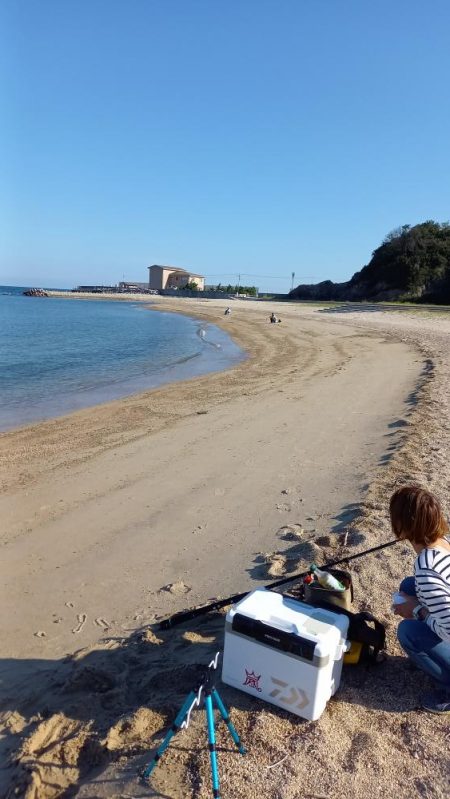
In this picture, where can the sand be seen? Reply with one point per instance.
(121, 514)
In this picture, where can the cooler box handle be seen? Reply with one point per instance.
(343, 647)
(282, 624)
(284, 638)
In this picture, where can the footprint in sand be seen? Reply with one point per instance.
(68, 604)
(291, 532)
(176, 588)
(102, 623)
(149, 637)
(198, 638)
(273, 564)
(276, 565)
(279, 564)
(82, 619)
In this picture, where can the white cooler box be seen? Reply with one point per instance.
(284, 651)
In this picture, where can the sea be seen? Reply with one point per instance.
(60, 355)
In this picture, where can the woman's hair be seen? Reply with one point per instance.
(417, 515)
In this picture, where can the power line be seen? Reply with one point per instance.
(265, 277)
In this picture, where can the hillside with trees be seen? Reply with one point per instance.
(250, 291)
(412, 263)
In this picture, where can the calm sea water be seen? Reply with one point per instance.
(58, 355)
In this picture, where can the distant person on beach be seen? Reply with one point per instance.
(273, 318)
(227, 311)
(424, 633)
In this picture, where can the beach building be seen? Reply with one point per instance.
(96, 289)
(125, 285)
(171, 277)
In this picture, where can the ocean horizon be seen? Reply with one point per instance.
(59, 355)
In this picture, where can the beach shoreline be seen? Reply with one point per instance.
(96, 364)
(202, 489)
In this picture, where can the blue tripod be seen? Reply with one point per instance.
(205, 685)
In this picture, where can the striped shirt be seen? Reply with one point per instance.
(432, 576)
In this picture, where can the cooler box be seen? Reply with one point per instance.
(284, 651)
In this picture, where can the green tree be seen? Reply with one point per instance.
(410, 259)
(411, 263)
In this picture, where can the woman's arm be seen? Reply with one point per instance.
(433, 591)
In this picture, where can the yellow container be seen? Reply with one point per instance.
(354, 653)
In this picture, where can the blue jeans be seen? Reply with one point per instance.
(429, 652)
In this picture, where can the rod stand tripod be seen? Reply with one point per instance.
(205, 686)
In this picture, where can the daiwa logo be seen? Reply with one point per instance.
(252, 680)
(293, 697)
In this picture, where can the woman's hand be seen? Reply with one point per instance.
(405, 609)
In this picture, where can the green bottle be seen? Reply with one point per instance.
(326, 580)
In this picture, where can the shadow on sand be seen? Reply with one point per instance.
(80, 715)
(69, 722)
(369, 307)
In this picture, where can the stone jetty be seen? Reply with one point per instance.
(35, 293)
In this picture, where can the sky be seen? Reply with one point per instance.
(251, 137)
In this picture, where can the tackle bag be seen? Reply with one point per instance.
(366, 633)
(313, 593)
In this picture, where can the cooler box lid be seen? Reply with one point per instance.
(287, 624)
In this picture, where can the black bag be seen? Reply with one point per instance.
(373, 639)
(361, 631)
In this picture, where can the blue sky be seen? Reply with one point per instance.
(260, 137)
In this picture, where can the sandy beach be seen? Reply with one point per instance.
(118, 515)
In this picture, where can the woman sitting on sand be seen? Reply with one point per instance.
(424, 633)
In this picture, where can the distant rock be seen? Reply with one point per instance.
(35, 293)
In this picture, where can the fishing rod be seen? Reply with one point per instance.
(187, 615)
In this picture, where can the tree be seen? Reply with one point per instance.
(412, 263)
(410, 258)
(191, 286)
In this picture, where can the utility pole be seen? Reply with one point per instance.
(239, 284)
